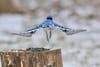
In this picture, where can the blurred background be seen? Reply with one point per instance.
(79, 50)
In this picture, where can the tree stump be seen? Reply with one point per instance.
(33, 58)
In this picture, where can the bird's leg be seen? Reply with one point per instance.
(48, 33)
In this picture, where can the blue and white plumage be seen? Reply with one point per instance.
(48, 25)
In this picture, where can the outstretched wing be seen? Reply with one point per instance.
(34, 29)
(68, 31)
(29, 32)
(60, 27)
(73, 31)
(26, 34)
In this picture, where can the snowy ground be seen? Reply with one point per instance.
(79, 50)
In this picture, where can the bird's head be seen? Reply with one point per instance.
(49, 18)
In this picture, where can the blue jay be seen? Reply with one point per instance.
(48, 25)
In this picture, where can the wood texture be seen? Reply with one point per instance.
(50, 58)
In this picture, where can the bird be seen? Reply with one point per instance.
(48, 25)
